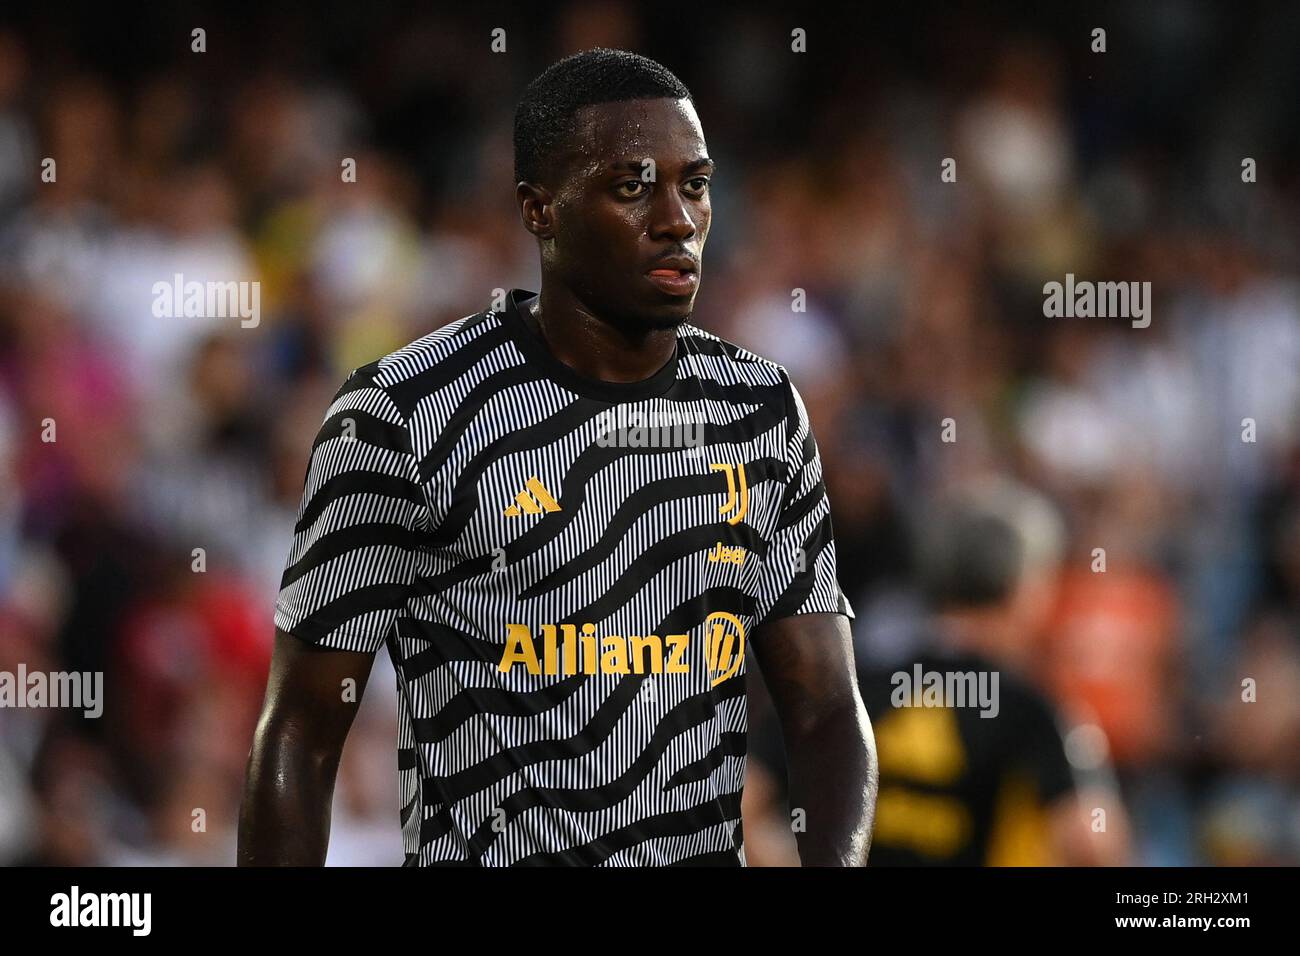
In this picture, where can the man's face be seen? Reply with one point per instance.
(631, 213)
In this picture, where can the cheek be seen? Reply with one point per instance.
(601, 219)
(703, 223)
(582, 235)
(617, 232)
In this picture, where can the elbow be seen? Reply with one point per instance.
(842, 719)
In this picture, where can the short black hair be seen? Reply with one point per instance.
(969, 558)
(544, 117)
(979, 541)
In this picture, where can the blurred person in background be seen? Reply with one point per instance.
(1001, 782)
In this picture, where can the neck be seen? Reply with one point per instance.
(595, 347)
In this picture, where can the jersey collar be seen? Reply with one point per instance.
(538, 353)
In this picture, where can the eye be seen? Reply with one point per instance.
(699, 183)
(638, 187)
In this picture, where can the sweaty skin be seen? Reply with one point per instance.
(807, 663)
(603, 227)
(602, 224)
(285, 815)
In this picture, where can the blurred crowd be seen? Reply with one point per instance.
(146, 541)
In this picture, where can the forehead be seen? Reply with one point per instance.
(664, 129)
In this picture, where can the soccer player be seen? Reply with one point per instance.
(566, 517)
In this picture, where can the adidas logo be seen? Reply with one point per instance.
(533, 503)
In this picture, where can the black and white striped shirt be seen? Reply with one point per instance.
(565, 572)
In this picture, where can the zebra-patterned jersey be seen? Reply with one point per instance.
(565, 572)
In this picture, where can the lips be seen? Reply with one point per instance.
(675, 275)
(675, 282)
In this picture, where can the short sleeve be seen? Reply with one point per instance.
(798, 575)
(1041, 746)
(358, 528)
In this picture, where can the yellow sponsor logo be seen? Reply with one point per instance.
(533, 500)
(737, 490)
(727, 555)
(724, 645)
(566, 649)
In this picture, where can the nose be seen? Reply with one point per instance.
(670, 217)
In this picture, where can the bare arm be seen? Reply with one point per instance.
(807, 663)
(284, 818)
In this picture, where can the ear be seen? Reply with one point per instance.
(536, 209)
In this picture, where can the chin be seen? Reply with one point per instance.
(670, 321)
(670, 315)
(640, 317)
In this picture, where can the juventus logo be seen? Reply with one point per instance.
(533, 500)
(737, 499)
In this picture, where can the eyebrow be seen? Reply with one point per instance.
(635, 165)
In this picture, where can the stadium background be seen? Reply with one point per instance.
(925, 302)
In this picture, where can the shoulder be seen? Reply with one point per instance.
(710, 356)
(429, 351)
(427, 364)
(705, 353)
